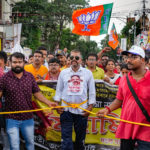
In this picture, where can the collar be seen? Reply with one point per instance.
(80, 69)
(11, 74)
(96, 69)
(146, 75)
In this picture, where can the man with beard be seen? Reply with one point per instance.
(139, 78)
(72, 86)
(37, 69)
(91, 62)
(17, 87)
(54, 69)
(62, 58)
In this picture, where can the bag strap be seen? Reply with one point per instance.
(137, 100)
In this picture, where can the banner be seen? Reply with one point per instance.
(113, 38)
(100, 131)
(92, 20)
(12, 38)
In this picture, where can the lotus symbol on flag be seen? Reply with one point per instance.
(88, 19)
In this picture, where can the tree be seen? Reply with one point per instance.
(69, 39)
(86, 47)
(46, 20)
(28, 13)
(128, 32)
(113, 53)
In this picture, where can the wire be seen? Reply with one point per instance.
(127, 4)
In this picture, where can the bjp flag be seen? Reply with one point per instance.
(113, 38)
(92, 21)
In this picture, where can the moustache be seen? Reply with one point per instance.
(129, 64)
(18, 67)
(74, 61)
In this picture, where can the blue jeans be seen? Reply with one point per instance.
(67, 120)
(27, 130)
(129, 144)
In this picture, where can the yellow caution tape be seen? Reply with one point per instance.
(75, 106)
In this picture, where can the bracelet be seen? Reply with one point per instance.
(108, 108)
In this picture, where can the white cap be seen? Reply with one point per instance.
(136, 50)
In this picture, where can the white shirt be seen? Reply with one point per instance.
(114, 79)
(72, 95)
(46, 64)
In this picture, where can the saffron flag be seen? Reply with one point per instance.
(92, 21)
(113, 38)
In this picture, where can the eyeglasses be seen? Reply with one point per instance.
(91, 59)
(76, 57)
(53, 65)
(37, 56)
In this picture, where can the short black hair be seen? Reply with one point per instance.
(124, 66)
(42, 48)
(50, 53)
(17, 55)
(112, 60)
(30, 56)
(76, 51)
(92, 54)
(68, 55)
(3, 55)
(54, 60)
(105, 55)
(39, 52)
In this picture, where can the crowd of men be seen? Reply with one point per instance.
(75, 85)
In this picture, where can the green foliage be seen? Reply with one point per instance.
(86, 47)
(113, 53)
(128, 32)
(44, 22)
(104, 42)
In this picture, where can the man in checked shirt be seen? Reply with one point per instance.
(17, 87)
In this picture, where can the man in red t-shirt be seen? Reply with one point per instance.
(140, 80)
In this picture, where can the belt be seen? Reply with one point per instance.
(74, 105)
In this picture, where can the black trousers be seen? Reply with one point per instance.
(129, 144)
(68, 120)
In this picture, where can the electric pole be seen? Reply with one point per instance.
(144, 15)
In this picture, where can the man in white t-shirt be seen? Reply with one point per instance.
(72, 86)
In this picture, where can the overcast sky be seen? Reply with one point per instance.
(122, 9)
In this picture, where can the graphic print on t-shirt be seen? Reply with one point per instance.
(75, 85)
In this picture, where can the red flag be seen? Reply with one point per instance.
(113, 38)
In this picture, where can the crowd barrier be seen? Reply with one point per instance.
(100, 131)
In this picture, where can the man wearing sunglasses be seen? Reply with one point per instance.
(72, 86)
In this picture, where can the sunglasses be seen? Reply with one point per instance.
(76, 57)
